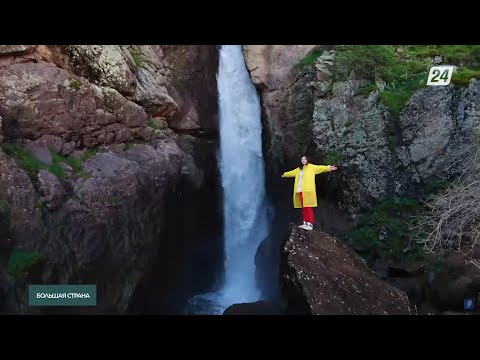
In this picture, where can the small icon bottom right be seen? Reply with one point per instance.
(469, 303)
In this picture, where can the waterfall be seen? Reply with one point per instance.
(243, 174)
(242, 170)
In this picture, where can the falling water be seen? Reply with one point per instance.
(243, 180)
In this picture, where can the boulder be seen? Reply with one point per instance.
(321, 276)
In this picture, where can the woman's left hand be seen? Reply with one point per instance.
(332, 167)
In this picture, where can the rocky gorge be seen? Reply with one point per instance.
(108, 161)
(109, 175)
(396, 141)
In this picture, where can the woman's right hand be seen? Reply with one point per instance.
(283, 176)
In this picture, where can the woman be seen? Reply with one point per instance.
(304, 191)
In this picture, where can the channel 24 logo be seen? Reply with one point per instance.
(440, 75)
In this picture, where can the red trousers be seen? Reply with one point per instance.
(307, 211)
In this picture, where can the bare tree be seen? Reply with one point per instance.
(452, 221)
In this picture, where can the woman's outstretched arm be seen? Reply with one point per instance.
(318, 169)
(291, 173)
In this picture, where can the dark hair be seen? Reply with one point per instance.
(301, 165)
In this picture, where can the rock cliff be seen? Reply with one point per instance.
(107, 152)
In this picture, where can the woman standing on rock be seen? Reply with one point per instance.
(304, 191)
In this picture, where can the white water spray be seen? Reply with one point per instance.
(243, 174)
(242, 170)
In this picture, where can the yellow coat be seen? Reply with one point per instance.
(308, 187)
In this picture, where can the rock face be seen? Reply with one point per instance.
(192, 71)
(104, 64)
(286, 105)
(322, 277)
(8, 50)
(50, 189)
(107, 232)
(271, 65)
(380, 155)
(438, 125)
(114, 219)
(192, 240)
(40, 99)
(1, 132)
(357, 130)
(19, 200)
(134, 71)
(109, 228)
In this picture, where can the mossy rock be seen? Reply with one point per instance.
(21, 261)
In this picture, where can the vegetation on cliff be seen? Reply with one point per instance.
(27, 161)
(417, 230)
(397, 71)
(20, 261)
(402, 70)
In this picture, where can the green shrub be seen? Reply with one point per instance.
(113, 200)
(75, 84)
(88, 153)
(397, 93)
(365, 61)
(394, 216)
(20, 261)
(333, 157)
(310, 58)
(404, 71)
(368, 88)
(462, 77)
(153, 125)
(27, 161)
(467, 56)
(138, 59)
